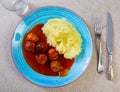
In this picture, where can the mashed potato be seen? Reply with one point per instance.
(63, 36)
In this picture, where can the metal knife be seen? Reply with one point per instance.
(109, 46)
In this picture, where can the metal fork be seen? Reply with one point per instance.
(98, 33)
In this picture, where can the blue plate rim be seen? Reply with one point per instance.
(69, 11)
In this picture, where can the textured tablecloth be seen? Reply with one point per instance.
(90, 81)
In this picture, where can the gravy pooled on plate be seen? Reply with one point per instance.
(41, 57)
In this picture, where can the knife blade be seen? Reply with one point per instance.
(109, 46)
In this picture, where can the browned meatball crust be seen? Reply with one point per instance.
(29, 46)
(53, 54)
(41, 47)
(56, 66)
(41, 58)
(32, 37)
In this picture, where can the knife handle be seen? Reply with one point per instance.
(110, 68)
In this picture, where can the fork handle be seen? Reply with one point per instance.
(100, 65)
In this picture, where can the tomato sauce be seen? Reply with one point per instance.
(45, 68)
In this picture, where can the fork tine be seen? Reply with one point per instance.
(98, 27)
(96, 22)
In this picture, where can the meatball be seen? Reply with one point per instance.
(53, 54)
(56, 66)
(41, 58)
(64, 72)
(41, 47)
(32, 37)
(29, 46)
